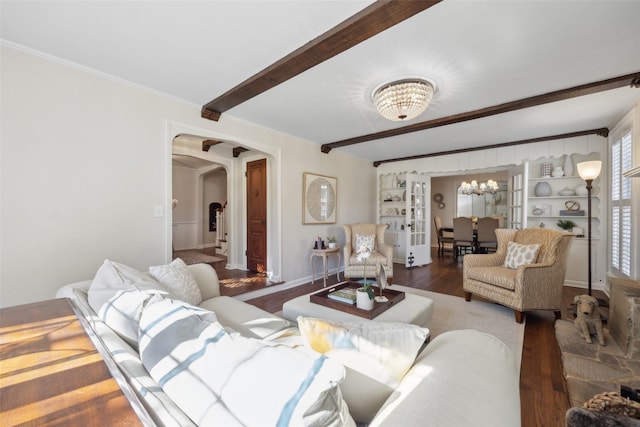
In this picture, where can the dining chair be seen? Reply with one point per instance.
(486, 240)
(444, 234)
(463, 236)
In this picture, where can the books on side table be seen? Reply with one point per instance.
(346, 295)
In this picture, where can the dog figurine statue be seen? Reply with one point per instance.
(588, 319)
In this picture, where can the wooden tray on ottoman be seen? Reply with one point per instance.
(394, 298)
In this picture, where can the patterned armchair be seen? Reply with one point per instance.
(382, 253)
(531, 286)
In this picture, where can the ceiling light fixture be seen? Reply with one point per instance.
(490, 187)
(403, 99)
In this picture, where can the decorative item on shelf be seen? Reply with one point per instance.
(573, 209)
(568, 165)
(395, 198)
(542, 189)
(388, 181)
(364, 294)
(403, 212)
(557, 172)
(382, 283)
(578, 231)
(387, 198)
(572, 205)
(491, 187)
(566, 191)
(545, 170)
(403, 99)
(542, 225)
(589, 171)
(537, 211)
(566, 224)
(333, 241)
(403, 184)
(404, 196)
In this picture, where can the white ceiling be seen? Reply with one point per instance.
(479, 53)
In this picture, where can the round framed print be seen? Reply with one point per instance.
(438, 197)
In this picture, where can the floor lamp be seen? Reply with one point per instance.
(589, 171)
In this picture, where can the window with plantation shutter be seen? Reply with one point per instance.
(621, 161)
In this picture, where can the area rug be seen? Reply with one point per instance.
(450, 313)
(196, 257)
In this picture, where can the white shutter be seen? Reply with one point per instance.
(620, 242)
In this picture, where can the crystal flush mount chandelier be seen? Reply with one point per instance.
(403, 99)
(490, 187)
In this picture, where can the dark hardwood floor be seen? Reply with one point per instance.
(543, 391)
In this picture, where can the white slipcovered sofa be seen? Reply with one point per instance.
(460, 378)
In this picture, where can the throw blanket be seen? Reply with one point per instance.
(218, 378)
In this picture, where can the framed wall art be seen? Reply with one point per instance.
(319, 199)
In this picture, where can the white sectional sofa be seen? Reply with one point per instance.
(460, 378)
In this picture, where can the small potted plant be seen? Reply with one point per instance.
(365, 294)
(333, 241)
(566, 224)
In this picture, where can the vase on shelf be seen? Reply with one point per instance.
(388, 181)
(568, 165)
(557, 172)
(542, 189)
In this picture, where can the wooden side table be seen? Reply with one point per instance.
(324, 253)
(52, 373)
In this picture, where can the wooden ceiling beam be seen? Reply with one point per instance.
(370, 21)
(208, 143)
(604, 132)
(239, 150)
(632, 80)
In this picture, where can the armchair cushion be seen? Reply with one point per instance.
(518, 254)
(497, 276)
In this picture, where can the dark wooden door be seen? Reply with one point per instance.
(257, 216)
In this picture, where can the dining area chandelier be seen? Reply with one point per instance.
(489, 187)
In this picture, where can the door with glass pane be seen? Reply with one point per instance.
(518, 177)
(418, 213)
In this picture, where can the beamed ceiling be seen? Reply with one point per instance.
(506, 72)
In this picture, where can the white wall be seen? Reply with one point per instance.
(86, 165)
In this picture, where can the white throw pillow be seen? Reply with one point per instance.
(113, 277)
(122, 313)
(118, 293)
(365, 241)
(233, 380)
(178, 280)
(384, 351)
(518, 254)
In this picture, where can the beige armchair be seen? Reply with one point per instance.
(382, 253)
(536, 286)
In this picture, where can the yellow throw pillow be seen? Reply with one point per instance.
(384, 351)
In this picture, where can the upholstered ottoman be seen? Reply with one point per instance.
(412, 309)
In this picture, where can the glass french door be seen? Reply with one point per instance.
(418, 212)
(516, 214)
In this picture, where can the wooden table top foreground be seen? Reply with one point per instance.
(51, 372)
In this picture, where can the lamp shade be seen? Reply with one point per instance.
(589, 170)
